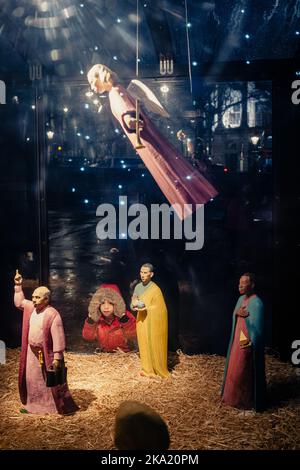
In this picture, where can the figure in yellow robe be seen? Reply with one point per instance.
(151, 324)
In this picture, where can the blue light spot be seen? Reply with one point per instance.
(82, 168)
(73, 190)
(120, 186)
(86, 201)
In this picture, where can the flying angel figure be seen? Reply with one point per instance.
(180, 182)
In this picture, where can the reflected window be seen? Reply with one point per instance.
(232, 116)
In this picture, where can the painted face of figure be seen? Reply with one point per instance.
(107, 308)
(100, 79)
(245, 286)
(40, 298)
(146, 275)
(100, 87)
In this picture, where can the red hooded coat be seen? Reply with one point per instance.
(114, 334)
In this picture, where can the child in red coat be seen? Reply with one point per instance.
(109, 322)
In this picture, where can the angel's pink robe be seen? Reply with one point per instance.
(180, 182)
(41, 332)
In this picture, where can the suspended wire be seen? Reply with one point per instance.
(139, 144)
(188, 45)
(137, 39)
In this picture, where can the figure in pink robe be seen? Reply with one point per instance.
(43, 345)
(181, 183)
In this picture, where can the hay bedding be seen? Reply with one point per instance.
(188, 401)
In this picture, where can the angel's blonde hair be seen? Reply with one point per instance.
(103, 73)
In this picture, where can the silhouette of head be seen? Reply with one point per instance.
(139, 427)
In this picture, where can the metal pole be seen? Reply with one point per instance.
(40, 163)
